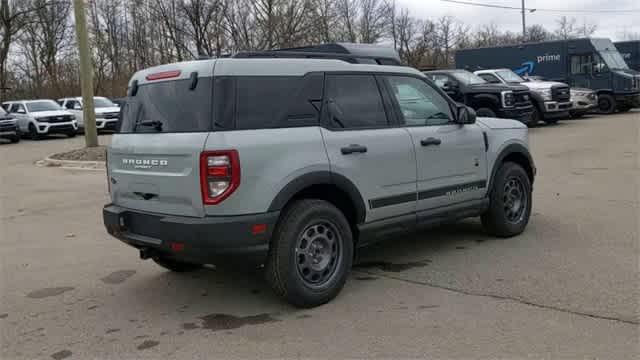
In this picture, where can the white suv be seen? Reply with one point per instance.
(107, 112)
(42, 117)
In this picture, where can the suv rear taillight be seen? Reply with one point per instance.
(219, 175)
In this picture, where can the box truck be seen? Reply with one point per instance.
(592, 63)
(630, 51)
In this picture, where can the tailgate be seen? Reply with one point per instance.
(146, 174)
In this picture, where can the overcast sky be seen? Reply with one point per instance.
(609, 24)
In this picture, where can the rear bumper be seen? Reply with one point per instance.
(206, 240)
(522, 114)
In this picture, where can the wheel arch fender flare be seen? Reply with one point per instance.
(307, 180)
(518, 151)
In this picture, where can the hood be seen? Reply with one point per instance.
(104, 110)
(497, 87)
(496, 124)
(50, 113)
(542, 85)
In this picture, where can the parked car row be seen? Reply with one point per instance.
(593, 64)
(39, 118)
(503, 93)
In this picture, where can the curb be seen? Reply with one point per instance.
(72, 164)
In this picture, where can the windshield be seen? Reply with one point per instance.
(509, 76)
(44, 105)
(614, 60)
(101, 102)
(468, 78)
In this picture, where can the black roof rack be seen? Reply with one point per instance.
(349, 52)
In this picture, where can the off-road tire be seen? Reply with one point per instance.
(15, 139)
(485, 112)
(283, 263)
(606, 104)
(551, 121)
(175, 265)
(71, 134)
(495, 220)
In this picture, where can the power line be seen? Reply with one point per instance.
(587, 11)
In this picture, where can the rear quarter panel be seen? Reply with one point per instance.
(269, 160)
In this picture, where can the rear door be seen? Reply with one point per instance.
(363, 146)
(154, 160)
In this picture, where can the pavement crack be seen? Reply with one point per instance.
(503, 297)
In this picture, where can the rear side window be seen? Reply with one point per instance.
(169, 107)
(354, 102)
(278, 101)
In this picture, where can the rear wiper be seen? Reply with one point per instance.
(152, 123)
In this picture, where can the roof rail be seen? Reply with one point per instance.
(351, 53)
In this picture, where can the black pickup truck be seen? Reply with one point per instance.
(488, 100)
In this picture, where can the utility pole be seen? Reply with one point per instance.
(86, 75)
(524, 23)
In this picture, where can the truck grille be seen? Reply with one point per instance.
(523, 98)
(56, 119)
(560, 93)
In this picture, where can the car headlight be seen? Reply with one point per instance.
(546, 94)
(72, 117)
(40, 119)
(508, 99)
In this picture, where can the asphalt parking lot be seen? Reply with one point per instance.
(569, 287)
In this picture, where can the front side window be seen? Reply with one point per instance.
(16, 108)
(420, 104)
(354, 102)
(70, 104)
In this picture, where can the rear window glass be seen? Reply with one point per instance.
(168, 107)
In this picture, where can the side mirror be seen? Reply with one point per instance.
(21, 111)
(465, 115)
(77, 107)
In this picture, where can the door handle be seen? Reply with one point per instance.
(430, 141)
(353, 148)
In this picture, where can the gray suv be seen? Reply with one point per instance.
(296, 162)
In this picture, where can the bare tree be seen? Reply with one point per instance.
(348, 14)
(373, 20)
